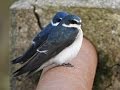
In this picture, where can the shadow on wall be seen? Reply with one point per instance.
(4, 50)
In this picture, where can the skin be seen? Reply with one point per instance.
(79, 77)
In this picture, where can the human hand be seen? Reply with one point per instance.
(79, 77)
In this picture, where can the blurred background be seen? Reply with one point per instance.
(4, 46)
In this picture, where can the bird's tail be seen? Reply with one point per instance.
(26, 56)
(16, 60)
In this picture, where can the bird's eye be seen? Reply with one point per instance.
(73, 22)
(59, 19)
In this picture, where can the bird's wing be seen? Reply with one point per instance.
(26, 56)
(48, 50)
(37, 41)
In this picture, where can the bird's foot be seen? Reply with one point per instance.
(64, 64)
(67, 65)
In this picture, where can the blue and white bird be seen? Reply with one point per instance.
(62, 45)
(40, 38)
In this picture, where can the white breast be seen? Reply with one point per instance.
(70, 52)
(67, 54)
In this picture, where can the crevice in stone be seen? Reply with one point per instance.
(37, 18)
(108, 86)
(115, 65)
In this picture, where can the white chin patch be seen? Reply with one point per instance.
(54, 24)
(72, 26)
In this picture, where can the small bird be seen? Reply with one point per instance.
(40, 38)
(62, 45)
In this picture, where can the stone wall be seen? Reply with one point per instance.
(101, 25)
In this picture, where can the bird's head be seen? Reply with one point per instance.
(58, 17)
(71, 21)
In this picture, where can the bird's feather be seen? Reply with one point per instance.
(38, 40)
(56, 42)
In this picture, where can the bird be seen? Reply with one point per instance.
(40, 38)
(61, 46)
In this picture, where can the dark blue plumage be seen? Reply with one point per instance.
(63, 36)
(40, 38)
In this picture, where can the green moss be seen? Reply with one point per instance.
(103, 73)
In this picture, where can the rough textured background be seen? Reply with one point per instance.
(101, 26)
